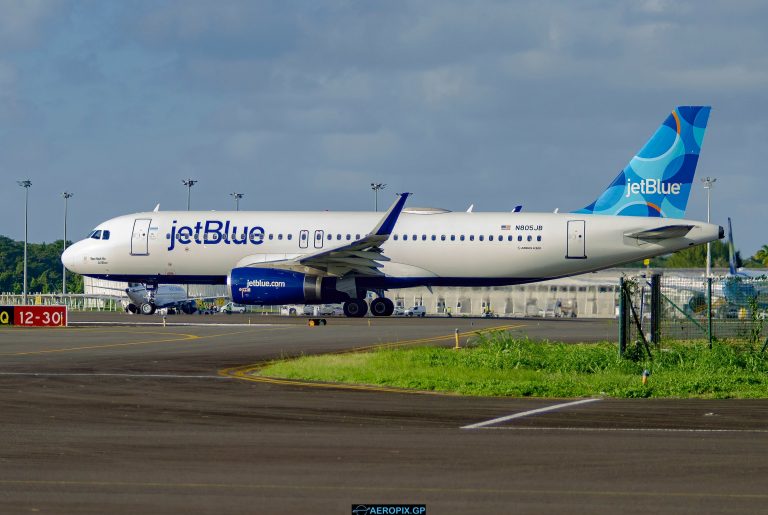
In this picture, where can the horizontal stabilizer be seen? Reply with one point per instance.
(663, 233)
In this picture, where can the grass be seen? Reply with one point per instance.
(499, 365)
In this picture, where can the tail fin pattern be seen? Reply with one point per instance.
(657, 181)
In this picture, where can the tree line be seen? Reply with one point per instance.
(43, 268)
(696, 257)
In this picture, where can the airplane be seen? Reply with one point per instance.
(740, 285)
(275, 258)
(146, 301)
(165, 296)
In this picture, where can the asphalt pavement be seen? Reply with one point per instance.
(107, 418)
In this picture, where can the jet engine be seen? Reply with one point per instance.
(271, 286)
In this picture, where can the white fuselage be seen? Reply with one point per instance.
(460, 249)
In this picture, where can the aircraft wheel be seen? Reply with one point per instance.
(382, 307)
(355, 308)
(147, 308)
(132, 309)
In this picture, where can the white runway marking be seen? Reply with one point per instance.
(100, 374)
(626, 429)
(528, 413)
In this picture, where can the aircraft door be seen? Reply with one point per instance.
(303, 239)
(319, 239)
(140, 237)
(576, 240)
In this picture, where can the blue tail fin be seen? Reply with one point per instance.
(657, 181)
(731, 250)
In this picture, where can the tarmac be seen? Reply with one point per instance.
(107, 418)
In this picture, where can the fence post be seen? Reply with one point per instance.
(656, 308)
(709, 311)
(622, 318)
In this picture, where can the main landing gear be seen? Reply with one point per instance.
(380, 307)
(355, 308)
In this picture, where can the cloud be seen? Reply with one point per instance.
(22, 22)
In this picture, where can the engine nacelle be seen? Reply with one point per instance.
(270, 286)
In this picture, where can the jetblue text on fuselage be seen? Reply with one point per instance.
(213, 232)
(651, 186)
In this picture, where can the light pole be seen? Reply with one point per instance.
(237, 196)
(708, 182)
(376, 186)
(26, 184)
(67, 195)
(189, 183)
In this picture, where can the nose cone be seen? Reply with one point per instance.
(72, 256)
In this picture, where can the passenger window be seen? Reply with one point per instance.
(530, 237)
(501, 238)
(434, 237)
(538, 238)
(357, 236)
(453, 237)
(519, 237)
(461, 237)
(509, 238)
(442, 237)
(279, 236)
(490, 238)
(395, 237)
(415, 237)
(303, 236)
(423, 237)
(290, 236)
(349, 237)
(471, 237)
(480, 237)
(405, 237)
(338, 236)
(271, 236)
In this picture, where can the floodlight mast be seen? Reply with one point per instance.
(189, 183)
(376, 186)
(26, 184)
(67, 195)
(708, 182)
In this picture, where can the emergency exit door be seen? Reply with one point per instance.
(576, 240)
(140, 237)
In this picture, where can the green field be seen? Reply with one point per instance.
(499, 365)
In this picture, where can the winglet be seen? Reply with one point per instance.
(387, 223)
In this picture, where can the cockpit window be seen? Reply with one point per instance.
(96, 235)
(105, 235)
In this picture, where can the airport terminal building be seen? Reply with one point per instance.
(592, 295)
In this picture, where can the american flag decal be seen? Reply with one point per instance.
(506, 227)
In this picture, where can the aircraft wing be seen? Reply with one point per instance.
(360, 257)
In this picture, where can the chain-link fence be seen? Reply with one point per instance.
(654, 309)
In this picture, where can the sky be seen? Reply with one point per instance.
(300, 105)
